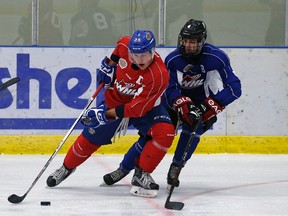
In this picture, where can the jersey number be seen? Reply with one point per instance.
(100, 21)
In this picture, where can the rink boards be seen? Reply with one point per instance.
(38, 144)
(55, 85)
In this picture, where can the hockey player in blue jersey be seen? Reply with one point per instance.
(202, 82)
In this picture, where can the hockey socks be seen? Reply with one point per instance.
(79, 152)
(162, 136)
(153, 152)
(131, 158)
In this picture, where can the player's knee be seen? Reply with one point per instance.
(163, 133)
(83, 147)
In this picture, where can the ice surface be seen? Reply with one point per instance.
(211, 184)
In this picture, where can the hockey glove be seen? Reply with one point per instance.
(106, 73)
(95, 117)
(210, 108)
(187, 112)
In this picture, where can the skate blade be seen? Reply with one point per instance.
(138, 191)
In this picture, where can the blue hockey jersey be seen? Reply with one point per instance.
(210, 75)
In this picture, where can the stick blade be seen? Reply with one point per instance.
(16, 199)
(174, 205)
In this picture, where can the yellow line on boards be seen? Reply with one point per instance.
(46, 144)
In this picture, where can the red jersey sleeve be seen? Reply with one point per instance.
(121, 49)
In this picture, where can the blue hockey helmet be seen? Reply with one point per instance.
(193, 29)
(142, 41)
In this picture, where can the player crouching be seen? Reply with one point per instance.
(135, 78)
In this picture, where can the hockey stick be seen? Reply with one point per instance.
(9, 83)
(179, 205)
(18, 199)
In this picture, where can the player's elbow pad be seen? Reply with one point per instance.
(236, 88)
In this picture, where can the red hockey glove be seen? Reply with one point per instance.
(187, 112)
(210, 108)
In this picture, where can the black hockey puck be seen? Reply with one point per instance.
(45, 203)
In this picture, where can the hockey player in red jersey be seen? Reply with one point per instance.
(135, 77)
(202, 83)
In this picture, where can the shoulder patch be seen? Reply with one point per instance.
(122, 63)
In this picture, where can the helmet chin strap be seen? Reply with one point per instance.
(152, 51)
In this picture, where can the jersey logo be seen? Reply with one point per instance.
(192, 81)
(187, 68)
(122, 63)
(126, 88)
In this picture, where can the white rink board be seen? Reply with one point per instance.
(262, 109)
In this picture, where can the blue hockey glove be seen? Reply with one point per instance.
(95, 117)
(106, 73)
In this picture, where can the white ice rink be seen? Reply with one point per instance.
(215, 184)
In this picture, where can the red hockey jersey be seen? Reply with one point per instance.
(138, 91)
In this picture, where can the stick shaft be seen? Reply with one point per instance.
(183, 159)
(9, 83)
(64, 139)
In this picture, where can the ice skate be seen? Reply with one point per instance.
(58, 176)
(113, 177)
(171, 175)
(143, 184)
